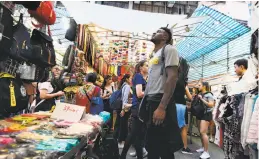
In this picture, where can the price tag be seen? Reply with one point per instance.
(68, 112)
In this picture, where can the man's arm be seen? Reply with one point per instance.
(169, 86)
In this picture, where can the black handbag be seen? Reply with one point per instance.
(71, 32)
(43, 49)
(6, 42)
(21, 45)
(13, 96)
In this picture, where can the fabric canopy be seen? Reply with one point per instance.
(119, 19)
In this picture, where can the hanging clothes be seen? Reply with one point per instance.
(252, 136)
(248, 107)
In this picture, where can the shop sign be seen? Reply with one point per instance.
(68, 112)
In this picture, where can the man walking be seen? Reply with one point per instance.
(158, 108)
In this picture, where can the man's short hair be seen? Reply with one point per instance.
(243, 62)
(170, 36)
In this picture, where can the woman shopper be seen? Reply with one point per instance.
(137, 134)
(88, 89)
(121, 124)
(107, 90)
(46, 95)
(207, 98)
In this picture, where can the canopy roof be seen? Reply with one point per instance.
(118, 19)
(217, 30)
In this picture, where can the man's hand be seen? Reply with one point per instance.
(200, 96)
(122, 113)
(159, 116)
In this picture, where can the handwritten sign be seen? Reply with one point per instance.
(68, 112)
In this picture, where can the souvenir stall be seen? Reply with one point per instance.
(27, 54)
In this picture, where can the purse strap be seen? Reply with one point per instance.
(21, 19)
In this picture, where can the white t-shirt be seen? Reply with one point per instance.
(46, 86)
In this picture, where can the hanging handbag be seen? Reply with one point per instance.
(71, 32)
(27, 72)
(43, 49)
(21, 47)
(7, 31)
(13, 96)
(32, 73)
(45, 14)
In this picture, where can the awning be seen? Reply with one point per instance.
(118, 19)
(217, 30)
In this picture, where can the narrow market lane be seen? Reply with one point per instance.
(215, 151)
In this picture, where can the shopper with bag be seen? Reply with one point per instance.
(137, 132)
(121, 124)
(206, 101)
(89, 95)
(107, 90)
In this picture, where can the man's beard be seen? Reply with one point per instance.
(155, 41)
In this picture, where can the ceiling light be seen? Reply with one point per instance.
(187, 29)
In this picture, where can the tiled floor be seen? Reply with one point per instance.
(215, 152)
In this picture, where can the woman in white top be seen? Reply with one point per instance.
(45, 98)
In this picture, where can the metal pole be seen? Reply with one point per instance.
(227, 58)
(202, 68)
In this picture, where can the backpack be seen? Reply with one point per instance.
(183, 71)
(13, 95)
(106, 146)
(115, 99)
(183, 68)
(198, 108)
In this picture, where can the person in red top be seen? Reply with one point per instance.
(90, 89)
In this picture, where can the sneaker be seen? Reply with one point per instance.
(145, 153)
(133, 154)
(205, 155)
(186, 151)
(200, 150)
(211, 140)
(120, 146)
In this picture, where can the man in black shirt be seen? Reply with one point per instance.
(182, 114)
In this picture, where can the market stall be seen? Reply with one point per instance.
(39, 135)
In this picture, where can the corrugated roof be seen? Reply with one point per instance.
(217, 30)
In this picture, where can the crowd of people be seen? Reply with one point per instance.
(153, 117)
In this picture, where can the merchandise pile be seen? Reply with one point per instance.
(38, 136)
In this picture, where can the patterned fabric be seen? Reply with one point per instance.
(81, 98)
(231, 144)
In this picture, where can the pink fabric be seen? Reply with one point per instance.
(252, 136)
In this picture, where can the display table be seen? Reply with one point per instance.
(36, 136)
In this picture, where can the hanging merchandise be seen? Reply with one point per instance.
(66, 56)
(6, 33)
(21, 48)
(71, 32)
(254, 43)
(30, 5)
(119, 70)
(45, 14)
(43, 49)
(13, 95)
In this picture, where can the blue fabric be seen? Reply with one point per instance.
(254, 103)
(137, 79)
(180, 110)
(96, 105)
